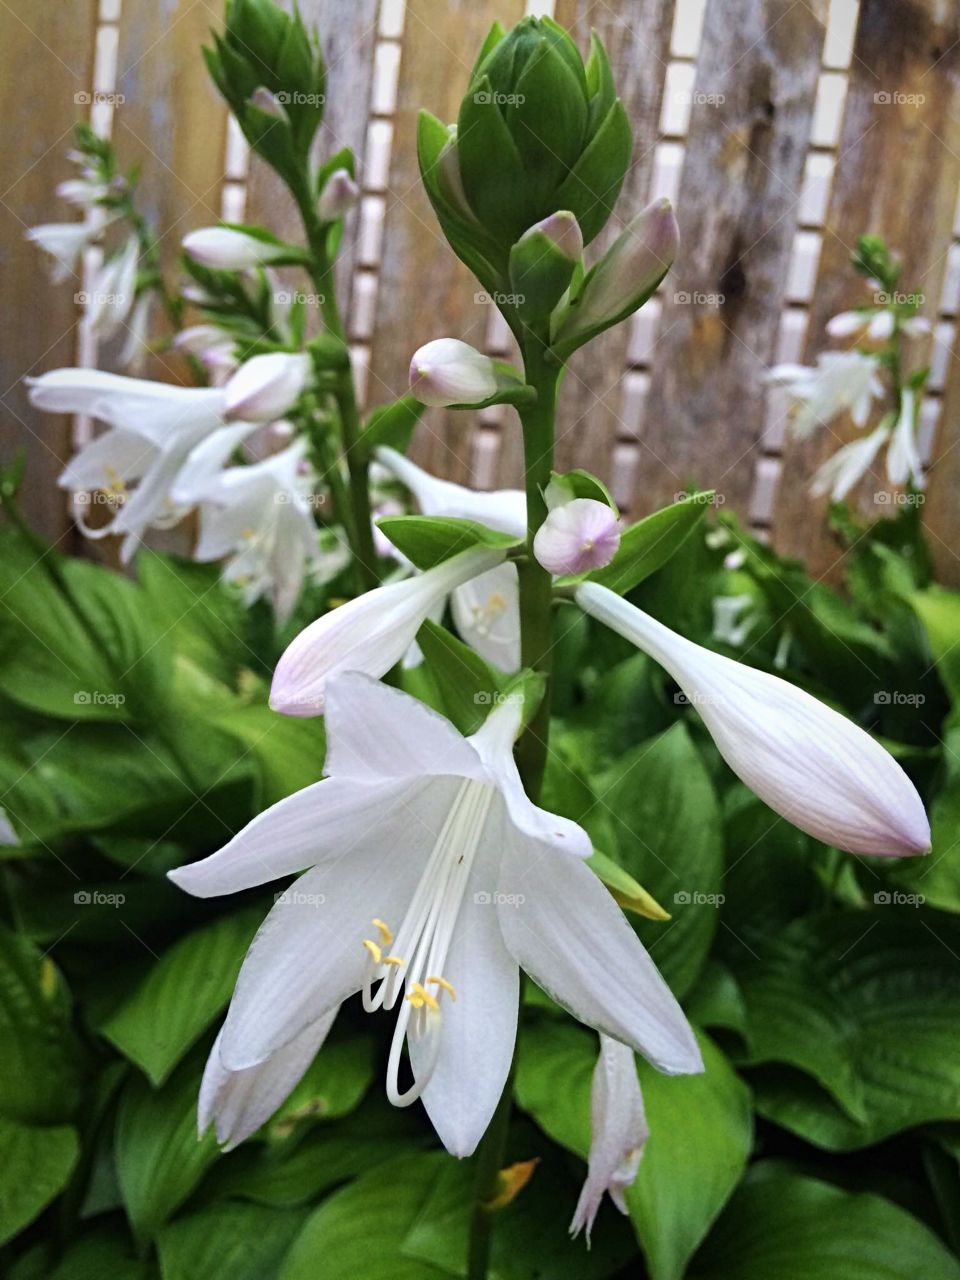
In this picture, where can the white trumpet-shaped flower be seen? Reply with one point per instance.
(842, 381)
(265, 387)
(618, 1133)
(113, 291)
(486, 609)
(66, 241)
(258, 519)
(806, 761)
(903, 457)
(370, 633)
(430, 881)
(847, 467)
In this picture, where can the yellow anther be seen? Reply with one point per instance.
(397, 960)
(420, 996)
(496, 602)
(447, 986)
(374, 951)
(386, 935)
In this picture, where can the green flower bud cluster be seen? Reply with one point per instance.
(271, 72)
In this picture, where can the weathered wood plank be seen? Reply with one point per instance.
(637, 40)
(897, 174)
(347, 36)
(941, 513)
(739, 196)
(172, 121)
(425, 292)
(46, 57)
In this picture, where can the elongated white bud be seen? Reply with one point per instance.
(807, 762)
(226, 249)
(448, 371)
(369, 634)
(339, 195)
(577, 536)
(266, 387)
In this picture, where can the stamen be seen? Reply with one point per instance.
(374, 951)
(447, 986)
(420, 996)
(398, 960)
(386, 935)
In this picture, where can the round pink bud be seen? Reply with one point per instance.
(578, 536)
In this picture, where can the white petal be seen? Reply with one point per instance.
(847, 467)
(619, 1132)
(375, 733)
(369, 634)
(113, 455)
(846, 323)
(308, 955)
(319, 823)
(237, 1103)
(265, 387)
(447, 371)
(806, 761)
(486, 612)
(207, 459)
(501, 509)
(563, 927)
(479, 1028)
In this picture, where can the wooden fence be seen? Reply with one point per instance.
(781, 129)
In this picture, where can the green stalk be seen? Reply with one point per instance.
(536, 642)
(321, 273)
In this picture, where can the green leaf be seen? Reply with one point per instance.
(40, 1052)
(429, 540)
(666, 822)
(357, 1232)
(392, 425)
(647, 545)
(868, 1005)
(781, 1224)
(939, 611)
(158, 1156)
(36, 1166)
(468, 685)
(181, 995)
(227, 1241)
(332, 1086)
(700, 1129)
(100, 1253)
(288, 751)
(581, 484)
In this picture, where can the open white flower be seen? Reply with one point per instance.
(847, 467)
(618, 1133)
(903, 456)
(66, 241)
(258, 518)
(875, 324)
(113, 290)
(842, 381)
(806, 761)
(486, 609)
(432, 880)
(370, 633)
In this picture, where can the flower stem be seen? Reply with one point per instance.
(536, 642)
(321, 272)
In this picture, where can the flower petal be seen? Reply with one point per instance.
(486, 611)
(378, 733)
(563, 927)
(311, 827)
(237, 1103)
(308, 955)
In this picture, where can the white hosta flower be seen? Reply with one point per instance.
(807, 762)
(136, 347)
(226, 249)
(847, 467)
(618, 1133)
(447, 371)
(338, 196)
(430, 880)
(486, 609)
(577, 536)
(259, 520)
(733, 618)
(842, 381)
(370, 633)
(153, 428)
(112, 292)
(214, 348)
(82, 192)
(265, 387)
(903, 457)
(876, 326)
(66, 241)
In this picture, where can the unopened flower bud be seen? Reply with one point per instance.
(448, 371)
(226, 249)
(265, 387)
(577, 536)
(267, 102)
(338, 196)
(563, 230)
